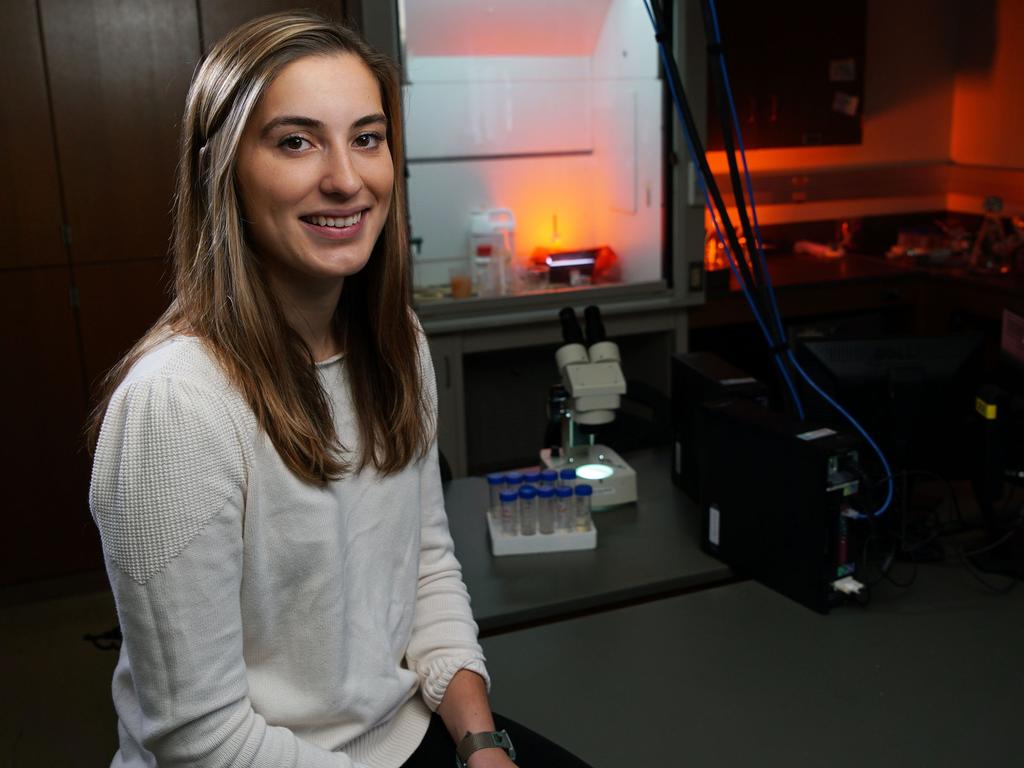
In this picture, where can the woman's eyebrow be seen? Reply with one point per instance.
(377, 117)
(294, 120)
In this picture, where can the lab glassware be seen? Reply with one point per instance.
(583, 518)
(527, 510)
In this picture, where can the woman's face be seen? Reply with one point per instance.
(314, 171)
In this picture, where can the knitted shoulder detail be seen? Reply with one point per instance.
(170, 454)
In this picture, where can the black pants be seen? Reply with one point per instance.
(437, 750)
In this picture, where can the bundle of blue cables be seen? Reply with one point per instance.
(748, 268)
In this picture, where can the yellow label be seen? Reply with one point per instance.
(987, 410)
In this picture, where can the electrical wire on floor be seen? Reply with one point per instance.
(930, 539)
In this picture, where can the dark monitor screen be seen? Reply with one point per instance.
(913, 394)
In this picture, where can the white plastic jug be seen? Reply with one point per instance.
(491, 246)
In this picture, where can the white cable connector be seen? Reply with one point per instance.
(847, 585)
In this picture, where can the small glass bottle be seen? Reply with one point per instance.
(549, 477)
(527, 510)
(509, 515)
(584, 522)
(567, 477)
(495, 485)
(531, 478)
(546, 509)
(565, 509)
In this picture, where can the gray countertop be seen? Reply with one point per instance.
(644, 550)
(740, 676)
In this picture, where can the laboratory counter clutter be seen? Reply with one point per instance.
(647, 650)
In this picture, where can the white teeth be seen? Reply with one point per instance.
(330, 221)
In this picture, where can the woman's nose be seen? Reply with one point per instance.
(341, 176)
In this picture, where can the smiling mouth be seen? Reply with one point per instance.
(336, 222)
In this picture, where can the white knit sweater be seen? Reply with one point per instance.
(267, 622)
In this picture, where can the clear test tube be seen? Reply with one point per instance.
(495, 485)
(549, 477)
(527, 510)
(513, 481)
(567, 477)
(509, 515)
(565, 509)
(545, 509)
(584, 521)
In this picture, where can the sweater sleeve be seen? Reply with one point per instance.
(168, 497)
(444, 636)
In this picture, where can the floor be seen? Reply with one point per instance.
(56, 709)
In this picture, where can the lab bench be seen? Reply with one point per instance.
(644, 550)
(646, 651)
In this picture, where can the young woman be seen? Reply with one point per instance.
(265, 474)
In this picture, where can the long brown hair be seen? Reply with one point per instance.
(222, 297)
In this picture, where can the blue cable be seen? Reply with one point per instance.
(771, 292)
(746, 170)
(714, 220)
(760, 253)
(860, 429)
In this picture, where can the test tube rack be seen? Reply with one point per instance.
(518, 544)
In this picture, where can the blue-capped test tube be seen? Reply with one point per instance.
(549, 477)
(531, 478)
(509, 514)
(527, 510)
(584, 521)
(513, 481)
(565, 509)
(495, 485)
(545, 509)
(567, 477)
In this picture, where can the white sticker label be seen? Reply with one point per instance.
(714, 524)
(815, 434)
(602, 490)
(842, 70)
(845, 104)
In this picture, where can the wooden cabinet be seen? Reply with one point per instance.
(446, 352)
(119, 73)
(218, 17)
(30, 218)
(118, 303)
(796, 69)
(90, 134)
(49, 530)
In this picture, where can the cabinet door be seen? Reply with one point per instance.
(48, 528)
(797, 72)
(219, 17)
(30, 217)
(446, 352)
(119, 73)
(118, 303)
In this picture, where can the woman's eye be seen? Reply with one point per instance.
(369, 140)
(293, 143)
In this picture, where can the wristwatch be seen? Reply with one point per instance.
(471, 742)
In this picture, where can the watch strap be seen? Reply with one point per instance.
(473, 742)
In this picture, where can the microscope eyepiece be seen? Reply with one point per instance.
(571, 331)
(595, 328)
